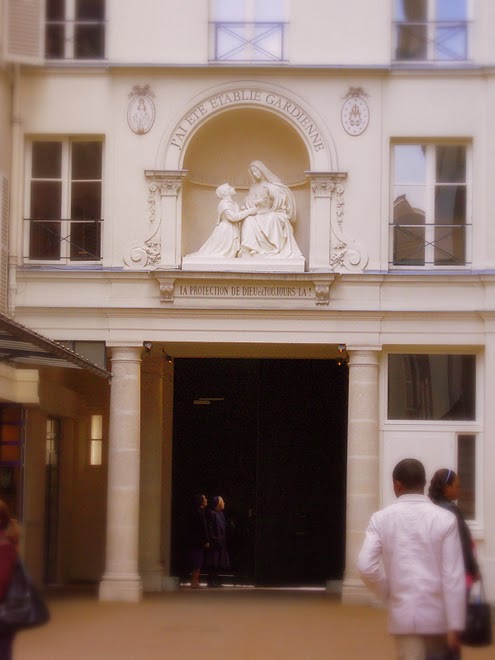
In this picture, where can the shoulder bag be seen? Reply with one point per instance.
(478, 631)
(23, 606)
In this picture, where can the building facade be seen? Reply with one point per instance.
(287, 358)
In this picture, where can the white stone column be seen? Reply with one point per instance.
(150, 517)
(362, 463)
(121, 581)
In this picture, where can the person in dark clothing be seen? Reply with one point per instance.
(198, 539)
(9, 541)
(444, 489)
(217, 559)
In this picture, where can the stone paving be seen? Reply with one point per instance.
(212, 625)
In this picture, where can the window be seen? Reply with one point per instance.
(64, 218)
(466, 469)
(96, 440)
(431, 30)
(12, 425)
(432, 387)
(75, 29)
(247, 30)
(429, 207)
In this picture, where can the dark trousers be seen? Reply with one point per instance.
(6, 643)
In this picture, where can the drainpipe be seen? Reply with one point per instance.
(15, 206)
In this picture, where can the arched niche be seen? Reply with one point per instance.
(221, 150)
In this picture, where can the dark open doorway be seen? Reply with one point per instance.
(270, 437)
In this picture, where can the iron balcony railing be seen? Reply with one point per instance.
(238, 41)
(63, 240)
(433, 41)
(430, 244)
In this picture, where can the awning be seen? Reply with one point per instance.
(19, 345)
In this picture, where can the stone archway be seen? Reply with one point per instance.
(328, 246)
(221, 151)
(250, 94)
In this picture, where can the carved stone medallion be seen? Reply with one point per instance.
(141, 110)
(355, 113)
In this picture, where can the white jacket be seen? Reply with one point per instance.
(412, 559)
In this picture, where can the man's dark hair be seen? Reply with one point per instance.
(410, 473)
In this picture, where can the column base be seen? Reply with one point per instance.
(152, 580)
(355, 593)
(126, 590)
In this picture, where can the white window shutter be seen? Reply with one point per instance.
(24, 36)
(4, 242)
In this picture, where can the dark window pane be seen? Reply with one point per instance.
(90, 9)
(86, 200)
(466, 463)
(410, 10)
(55, 10)
(451, 164)
(89, 41)
(46, 200)
(450, 246)
(409, 246)
(411, 42)
(55, 42)
(84, 241)
(44, 240)
(86, 160)
(450, 205)
(47, 160)
(432, 387)
(13, 417)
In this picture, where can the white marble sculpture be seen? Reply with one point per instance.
(258, 236)
(225, 240)
(269, 232)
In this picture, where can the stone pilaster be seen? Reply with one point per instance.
(150, 517)
(121, 581)
(362, 463)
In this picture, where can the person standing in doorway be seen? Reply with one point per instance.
(217, 556)
(198, 538)
(9, 542)
(412, 559)
(444, 490)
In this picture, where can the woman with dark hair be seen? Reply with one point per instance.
(217, 558)
(9, 541)
(444, 490)
(198, 538)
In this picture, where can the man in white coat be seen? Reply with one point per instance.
(412, 559)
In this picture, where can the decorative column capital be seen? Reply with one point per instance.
(323, 184)
(364, 355)
(167, 182)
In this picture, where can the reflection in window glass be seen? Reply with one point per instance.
(466, 462)
(227, 10)
(432, 387)
(451, 10)
(411, 10)
(451, 164)
(269, 11)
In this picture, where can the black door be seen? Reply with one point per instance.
(270, 437)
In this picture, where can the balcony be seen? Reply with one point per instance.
(431, 41)
(63, 241)
(248, 42)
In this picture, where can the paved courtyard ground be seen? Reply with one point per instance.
(212, 625)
